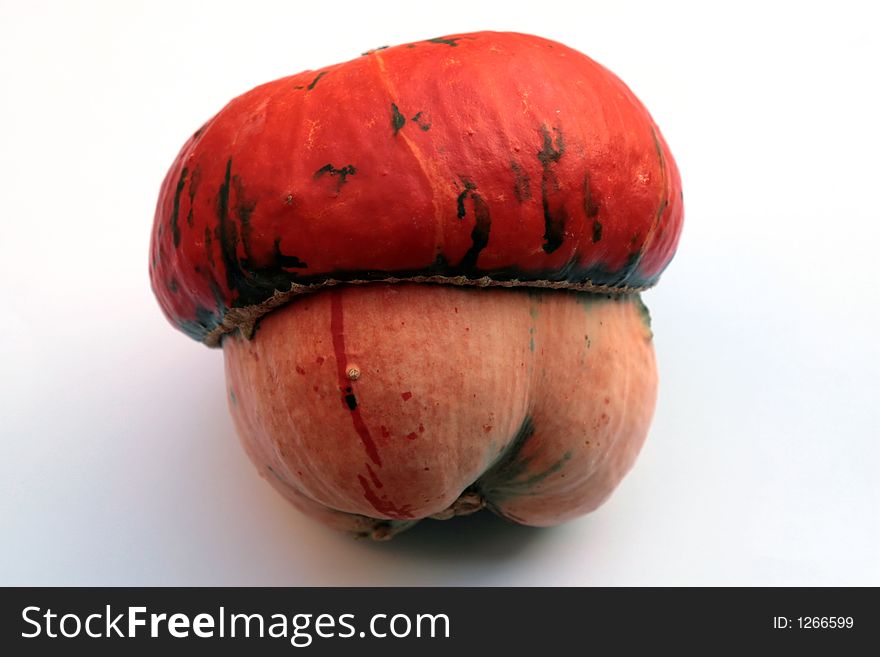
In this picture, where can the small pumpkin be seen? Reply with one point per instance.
(474, 217)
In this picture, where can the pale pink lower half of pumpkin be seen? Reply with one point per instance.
(372, 407)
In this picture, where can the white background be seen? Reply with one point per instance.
(120, 465)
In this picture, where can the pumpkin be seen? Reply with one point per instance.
(423, 266)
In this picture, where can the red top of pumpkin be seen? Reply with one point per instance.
(485, 158)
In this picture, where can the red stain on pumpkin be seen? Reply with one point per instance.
(376, 482)
(319, 360)
(487, 428)
(406, 395)
(421, 428)
(385, 432)
(608, 400)
(300, 370)
(348, 399)
(315, 388)
(412, 436)
(382, 505)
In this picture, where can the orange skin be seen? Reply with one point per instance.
(372, 407)
(487, 155)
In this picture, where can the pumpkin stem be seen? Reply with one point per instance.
(468, 502)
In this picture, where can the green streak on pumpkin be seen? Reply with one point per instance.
(507, 466)
(194, 181)
(175, 212)
(635, 258)
(522, 183)
(204, 322)
(341, 174)
(447, 42)
(591, 207)
(421, 122)
(644, 313)
(660, 155)
(533, 313)
(397, 119)
(509, 476)
(459, 202)
(232, 397)
(519, 487)
(555, 214)
(482, 225)
(588, 299)
(315, 81)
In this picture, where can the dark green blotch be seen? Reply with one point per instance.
(591, 208)
(482, 225)
(508, 466)
(315, 81)
(644, 313)
(244, 208)
(504, 477)
(398, 120)
(468, 187)
(555, 215)
(251, 283)
(448, 42)
(342, 174)
(521, 182)
(659, 148)
(205, 322)
(351, 401)
(421, 122)
(287, 261)
(628, 271)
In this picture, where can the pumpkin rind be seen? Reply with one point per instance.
(485, 158)
(533, 403)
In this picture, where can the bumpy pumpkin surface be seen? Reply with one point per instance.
(473, 217)
(372, 407)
